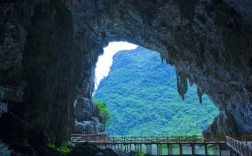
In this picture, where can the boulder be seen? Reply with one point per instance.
(89, 149)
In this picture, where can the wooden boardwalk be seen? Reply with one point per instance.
(243, 148)
(161, 145)
(172, 145)
(103, 138)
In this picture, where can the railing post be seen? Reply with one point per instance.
(193, 149)
(206, 152)
(135, 147)
(180, 149)
(231, 151)
(159, 149)
(170, 149)
(148, 148)
(219, 149)
(161, 152)
(126, 147)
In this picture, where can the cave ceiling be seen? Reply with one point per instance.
(49, 50)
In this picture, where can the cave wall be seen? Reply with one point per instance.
(49, 62)
(48, 51)
(40, 66)
(208, 41)
(45, 71)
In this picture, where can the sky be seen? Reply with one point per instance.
(105, 61)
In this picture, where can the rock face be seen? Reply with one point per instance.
(209, 42)
(48, 51)
(40, 66)
(87, 117)
(91, 149)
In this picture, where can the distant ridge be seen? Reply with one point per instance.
(141, 95)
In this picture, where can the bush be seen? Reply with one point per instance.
(62, 149)
(102, 108)
(148, 154)
(139, 153)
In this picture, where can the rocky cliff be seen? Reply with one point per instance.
(40, 69)
(48, 51)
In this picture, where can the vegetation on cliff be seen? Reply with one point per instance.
(102, 108)
(141, 95)
(63, 148)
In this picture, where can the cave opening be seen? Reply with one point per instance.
(48, 50)
(141, 95)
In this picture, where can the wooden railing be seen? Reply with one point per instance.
(243, 148)
(80, 138)
(103, 138)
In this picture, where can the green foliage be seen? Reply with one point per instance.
(63, 148)
(139, 153)
(148, 154)
(141, 96)
(51, 146)
(102, 108)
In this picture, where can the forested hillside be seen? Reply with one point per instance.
(141, 96)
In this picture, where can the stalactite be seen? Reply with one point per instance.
(200, 93)
(190, 81)
(187, 10)
(181, 84)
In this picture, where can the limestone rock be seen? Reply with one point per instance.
(85, 127)
(207, 41)
(91, 149)
(87, 116)
(52, 46)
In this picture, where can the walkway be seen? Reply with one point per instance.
(243, 148)
(103, 138)
(172, 145)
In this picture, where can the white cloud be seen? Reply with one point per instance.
(105, 61)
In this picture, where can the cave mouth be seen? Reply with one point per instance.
(141, 95)
(105, 61)
(49, 49)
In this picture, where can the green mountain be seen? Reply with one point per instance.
(141, 96)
